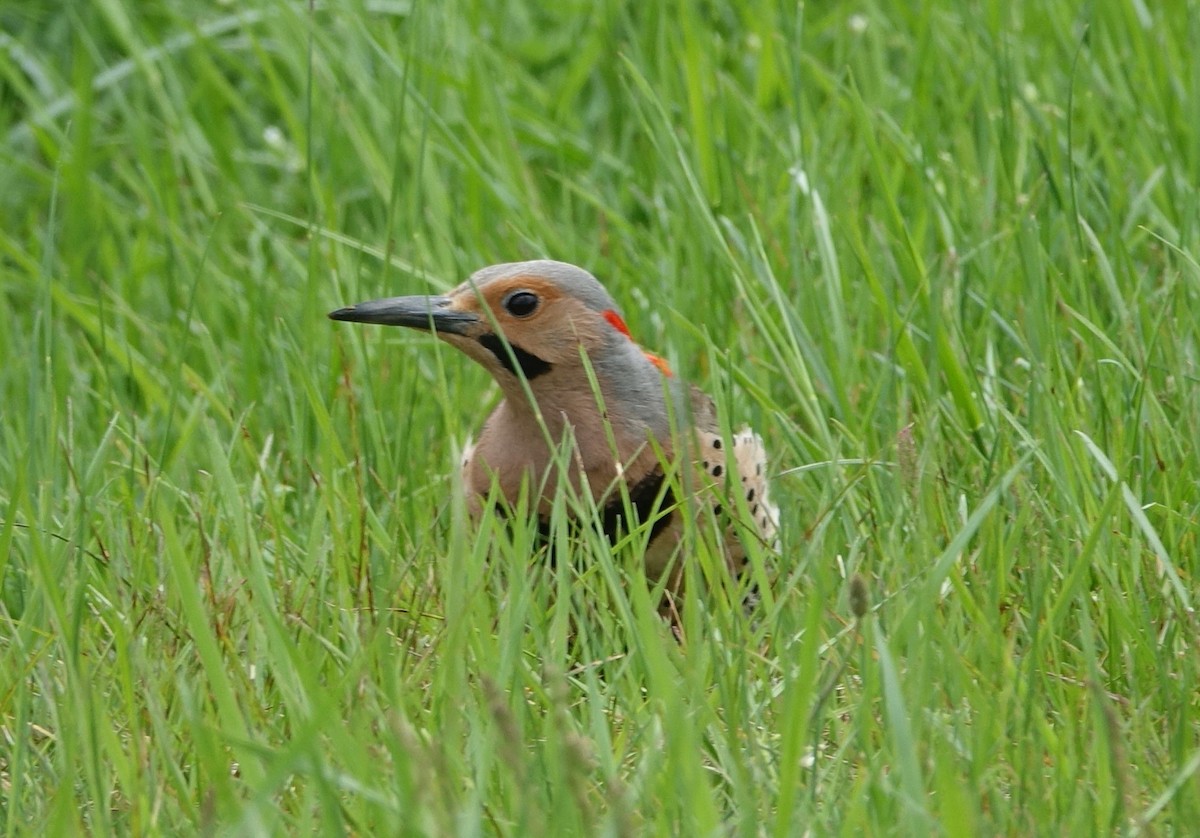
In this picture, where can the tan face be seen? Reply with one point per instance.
(527, 318)
(516, 323)
(533, 314)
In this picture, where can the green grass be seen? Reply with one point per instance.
(943, 256)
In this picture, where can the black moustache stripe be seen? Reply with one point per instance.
(531, 365)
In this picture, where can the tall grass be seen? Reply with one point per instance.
(943, 257)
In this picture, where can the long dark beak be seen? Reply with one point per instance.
(429, 313)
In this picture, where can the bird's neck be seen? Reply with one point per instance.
(610, 436)
(596, 421)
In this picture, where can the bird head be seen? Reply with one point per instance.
(532, 320)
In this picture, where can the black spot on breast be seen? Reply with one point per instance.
(531, 365)
(750, 496)
(717, 443)
(716, 472)
(643, 498)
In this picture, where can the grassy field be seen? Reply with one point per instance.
(943, 256)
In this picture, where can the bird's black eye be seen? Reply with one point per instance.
(521, 303)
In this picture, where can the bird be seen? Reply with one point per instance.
(571, 374)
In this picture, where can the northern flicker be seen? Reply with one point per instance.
(549, 330)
